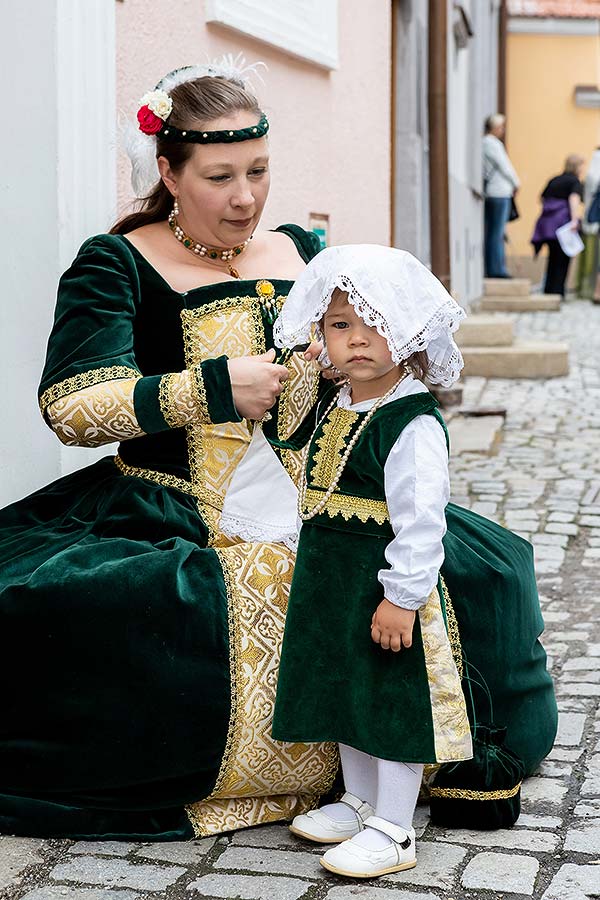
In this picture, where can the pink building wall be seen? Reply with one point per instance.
(330, 131)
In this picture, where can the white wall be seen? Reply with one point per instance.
(57, 186)
(472, 91)
(411, 145)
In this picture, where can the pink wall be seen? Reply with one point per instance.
(330, 131)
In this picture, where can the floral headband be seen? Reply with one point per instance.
(156, 106)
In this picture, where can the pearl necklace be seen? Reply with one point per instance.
(199, 249)
(322, 503)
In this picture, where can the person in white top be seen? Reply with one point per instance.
(500, 181)
(365, 622)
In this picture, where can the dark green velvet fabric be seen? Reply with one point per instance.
(217, 385)
(114, 642)
(334, 683)
(353, 692)
(493, 768)
(490, 576)
(114, 648)
(146, 404)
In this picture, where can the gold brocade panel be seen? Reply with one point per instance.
(261, 779)
(234, 327)
(295, 403)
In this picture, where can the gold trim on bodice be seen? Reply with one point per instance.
(348, 506)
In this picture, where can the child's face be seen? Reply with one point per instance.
(356, 349)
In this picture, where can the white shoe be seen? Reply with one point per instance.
(357, 862)
(317, 826)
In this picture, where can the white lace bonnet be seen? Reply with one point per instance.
(389, 289)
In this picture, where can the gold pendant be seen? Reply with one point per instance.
(233, 272)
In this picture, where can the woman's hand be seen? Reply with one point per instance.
(256, 383)
(313, 351)
(392, 626)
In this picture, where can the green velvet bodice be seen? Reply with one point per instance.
(358, 503)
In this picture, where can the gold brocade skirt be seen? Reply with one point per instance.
(261, 780)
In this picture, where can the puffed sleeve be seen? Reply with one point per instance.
(92, 342)
(417, 489)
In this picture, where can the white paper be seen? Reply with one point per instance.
(569, 240)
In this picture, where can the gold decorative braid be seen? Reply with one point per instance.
(348, 506)
(331, 445)
(236, 675)
(176, 399)
(159, 477)
(453, 631)
(83, 380)
(464, 794)
(200, 393)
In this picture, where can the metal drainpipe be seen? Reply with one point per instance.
(437, 102)
(502, 35)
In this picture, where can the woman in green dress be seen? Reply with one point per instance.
(139, 644)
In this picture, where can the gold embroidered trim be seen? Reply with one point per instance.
(453, 631)
(83, 380)
(451, 730)
(173, 416)
(348, 506)
(195, 352)
(200, 393)
(331, 446)
(463, 794)
(236, 686)
(159, 477)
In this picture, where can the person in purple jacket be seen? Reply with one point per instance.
(560, 204)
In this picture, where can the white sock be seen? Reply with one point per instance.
(398, 786)
(360, 773)
(340, 813)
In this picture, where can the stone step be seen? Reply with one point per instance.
(532, 303)
(506, 287)
(481, 330)
(523, 359)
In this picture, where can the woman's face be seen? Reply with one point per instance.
(222, 188)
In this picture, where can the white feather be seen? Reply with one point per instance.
(141, 150)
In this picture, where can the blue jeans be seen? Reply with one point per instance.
(497, 211)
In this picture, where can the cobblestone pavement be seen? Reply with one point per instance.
(542, 479)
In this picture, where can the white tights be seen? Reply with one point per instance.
(391, 788)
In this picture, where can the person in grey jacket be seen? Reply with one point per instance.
(500, 181)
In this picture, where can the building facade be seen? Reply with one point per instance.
(553, 100)
(346, 91)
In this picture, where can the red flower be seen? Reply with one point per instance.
(149, 122)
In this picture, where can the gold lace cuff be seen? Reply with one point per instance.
(199, 393)
(176, 399)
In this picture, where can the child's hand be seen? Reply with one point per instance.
(391, 626)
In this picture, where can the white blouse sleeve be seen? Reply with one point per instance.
(417, 489)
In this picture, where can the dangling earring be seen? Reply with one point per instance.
(175, 207)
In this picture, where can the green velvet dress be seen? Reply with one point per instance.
(336, 685)
(138, 645)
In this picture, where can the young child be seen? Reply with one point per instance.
(366, 661)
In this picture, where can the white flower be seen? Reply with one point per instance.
(159, 103)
